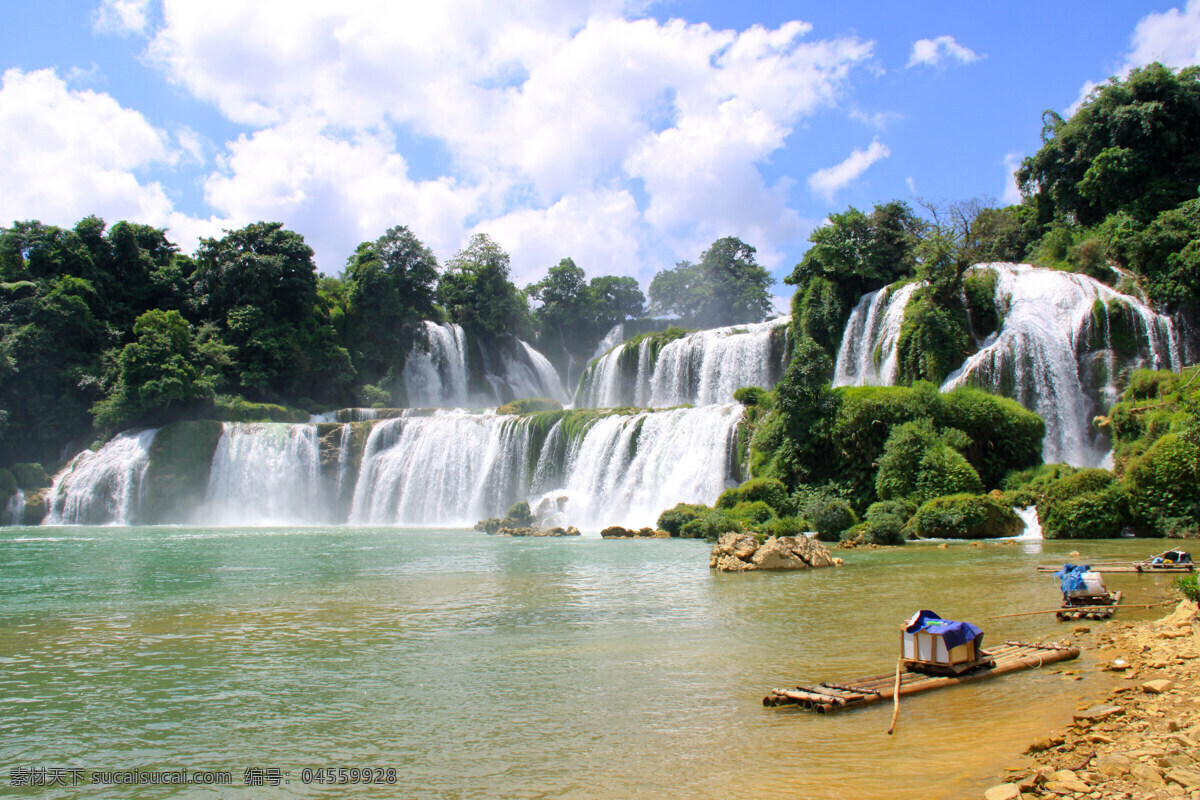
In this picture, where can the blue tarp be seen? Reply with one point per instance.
(1070, 577)
(953, 633)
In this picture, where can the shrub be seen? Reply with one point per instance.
(752, 514)
(784, 526)
(917, 463)
(518, 516)
(530, 405)
(673, 519)
(1164, 483)
(710, 526)
(754, 396)
(829, 517)
(767, 490)
(1188, 585)
(884, 522)
(1101, 514)
(965, 516)
(30, 476)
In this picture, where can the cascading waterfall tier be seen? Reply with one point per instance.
(266, 473)
(1062, 343)
(440, 376)
(701, 368)
(102, 487)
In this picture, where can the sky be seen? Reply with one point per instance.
(625, 134)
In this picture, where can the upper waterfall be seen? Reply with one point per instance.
(700, 368)
(1062, 343)
(440, 376)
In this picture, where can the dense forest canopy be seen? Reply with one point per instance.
(105, 328)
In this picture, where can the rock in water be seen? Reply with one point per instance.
(741, 552)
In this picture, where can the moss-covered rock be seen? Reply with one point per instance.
(965, 516)
(767, 490)
(530, 405)
(1099, 514)
(933, 340)
(35, 508)
(176, 479)
(237, 409)
(30, 476)
(673, 519)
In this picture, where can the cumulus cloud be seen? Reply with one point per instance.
(540, 107)
(1171, 37)
(121, 17)
(931, 52)
(76, 153)
(1012, 193)
(828, 181)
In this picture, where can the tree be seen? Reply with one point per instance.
(390, 287)
(726, 287)
(161, 368)
(1133, 147)
(476, 291)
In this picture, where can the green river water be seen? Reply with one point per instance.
(481, 667)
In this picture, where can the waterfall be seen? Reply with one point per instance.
(615, 335)
(1063, 341)
(1054, 353)
(626, 470)
(14, 510)
(701, 368)
(438, 376)
(102, 487)
(528, 373)
(266, 473)
(452, 468)
(867, 356)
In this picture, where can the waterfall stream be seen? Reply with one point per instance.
(102, 487)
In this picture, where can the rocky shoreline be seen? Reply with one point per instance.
(1139, 741)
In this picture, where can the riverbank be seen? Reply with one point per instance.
(1137, 741)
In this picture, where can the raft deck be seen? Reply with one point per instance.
(828, 698)
(1091, 608)
(1146, 569)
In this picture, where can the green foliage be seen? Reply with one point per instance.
(1166, 255)
(476, 291)
(160, 368)
(1154, 404)
(767, 490)
(979, 286)
(755, 397)
(1188, 587)
(1133, 147)
(8, 486)
(726, 287)
(518, 516)
(829, 517)
(390, 288)
(237, 409)
(751, 513)
(672, 520)
(530, 405)
(1099, 514)
(710, 526)
(918, 464)
(30, 476)
(783, 526)
(884, 522)
(965, 516)
(933, 339)
(1164, 485)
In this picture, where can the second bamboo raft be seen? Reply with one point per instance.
(828, 698)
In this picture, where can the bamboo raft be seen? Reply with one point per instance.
(828, 698)
(1147, 569)
(1101, 607)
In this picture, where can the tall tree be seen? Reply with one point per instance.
(726, 287)
(476, 291)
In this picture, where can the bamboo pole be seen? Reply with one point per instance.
(896, 696)
(1087, 609)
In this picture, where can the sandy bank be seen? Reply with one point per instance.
(1139, 740)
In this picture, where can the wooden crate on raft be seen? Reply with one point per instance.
(926, 651)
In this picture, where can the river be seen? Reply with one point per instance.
(480, 666)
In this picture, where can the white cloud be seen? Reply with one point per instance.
(930, 52)
(829, 180)
(540, 108)
(1012, 193)
(121, 17)
(1171, 37)
(76, 153)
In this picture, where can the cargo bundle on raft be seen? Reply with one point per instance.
(935, 653)
(1084, 594)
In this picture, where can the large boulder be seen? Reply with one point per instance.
(742, 552)
(617, 532)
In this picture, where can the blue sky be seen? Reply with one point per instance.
(625, 134)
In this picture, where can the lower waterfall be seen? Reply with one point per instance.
(102, 487)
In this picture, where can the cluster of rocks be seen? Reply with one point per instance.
(1140, 740)
(743, 552)
(617, 532)
(570, 530)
